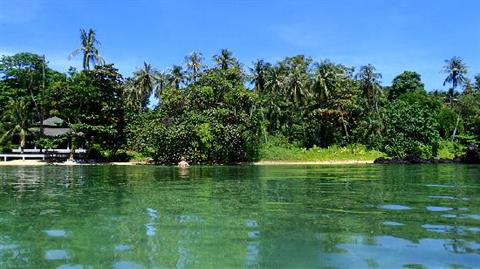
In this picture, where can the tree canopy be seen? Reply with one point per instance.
(223, 113)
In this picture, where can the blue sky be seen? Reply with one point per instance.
(393, 35)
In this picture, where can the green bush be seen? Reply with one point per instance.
(214, 120)
(411, 129)
(278, 149)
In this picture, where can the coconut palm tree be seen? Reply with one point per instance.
(225, 59)
(370, 84)
(456, 71)
(145, 82)
(274, 79)
(17, 121)
(325, 79)
(163, 81)
(296, 87)
(258, 75)
(193, 63)
(89, 49)
(177, 76)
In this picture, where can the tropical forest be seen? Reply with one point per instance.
(299, 109)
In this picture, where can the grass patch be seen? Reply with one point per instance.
(277, 150)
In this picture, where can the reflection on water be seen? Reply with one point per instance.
(222, 217)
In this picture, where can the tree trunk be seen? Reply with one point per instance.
(72, 150)
(344, 123)
(22, 144)
(456, 127)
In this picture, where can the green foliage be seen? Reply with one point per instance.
(213, 120)
(51, 142)
(411, 128)
(447, 119)
(406, 82)
(449, 150)
(468, 106)
(91, 103)
(320, 109)
(279, 149)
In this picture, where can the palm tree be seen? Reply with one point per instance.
(296, 85)
(193, 62)
(274, 79)
(89, 49)
(177, 76)
(456, 71)
(326, 75)
(259, 75)
(370, 84)
(163, 81)
(225, 60)
(17, 121)
(145, 81)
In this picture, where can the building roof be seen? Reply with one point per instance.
(52, 127)
(56, 131)
(52, 122)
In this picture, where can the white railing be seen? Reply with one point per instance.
(23, 156)
(48, 151)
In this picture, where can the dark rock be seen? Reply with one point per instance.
(397, 160)
(472, 155)
(394, 160)
(412, 159)
(381, 160)
(443, 160)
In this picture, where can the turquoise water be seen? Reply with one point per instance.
(244, 216)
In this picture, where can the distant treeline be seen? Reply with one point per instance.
(224, 113)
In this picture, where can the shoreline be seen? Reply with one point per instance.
(259, 163)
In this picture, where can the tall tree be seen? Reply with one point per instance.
(325, 78)
(370, 84)
(225, 59)
(258, 75)
(177, 76)
(89, 49)
(145, 81)
(163, 82)
(17, 120)
(406, 82)
(24, 74)
(193, 62)
(296, 82)
(456, 71)
(477, 82)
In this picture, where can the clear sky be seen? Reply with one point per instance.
(393, 35)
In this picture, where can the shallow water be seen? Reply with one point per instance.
(362, 216)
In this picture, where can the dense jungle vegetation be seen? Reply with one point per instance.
(297, 108)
